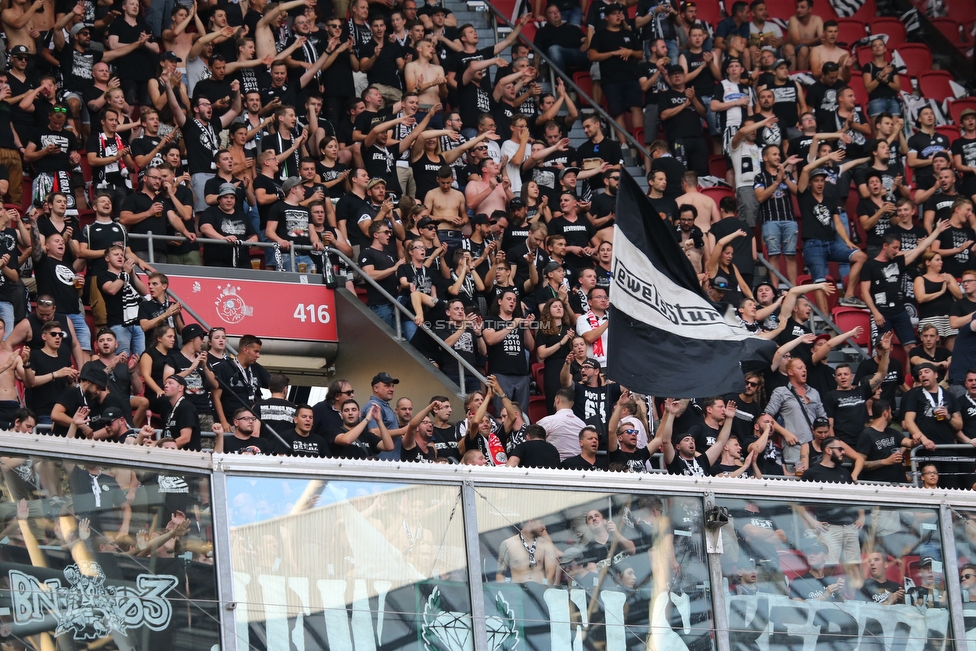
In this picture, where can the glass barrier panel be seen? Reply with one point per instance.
(833, 576)
(574, 570)
(348, 565)
(964, 535)
(105, 556)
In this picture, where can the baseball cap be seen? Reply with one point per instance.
(928, 560)
(227, 188)
(20, 50)
(549, 268)
(373, 182)
(819, 171)
(821, 337)
(290, 182)
(925, 365)
(820, 421)
(592, 363)
(192, 331)
(111, 414)
(780, 62)
(769, 48)
(92, 374)
(966, 112)
(674, 69)
(517, 203)
(425, 222)
(720, 283)
(678, 437)
(385, 378)
(170, 56)
(480, 218)
(614, 7)
(567, 170)
(830, 66)
(178, 378)
(438, 9)
(80, 27)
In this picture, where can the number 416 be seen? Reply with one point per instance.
(316, 313)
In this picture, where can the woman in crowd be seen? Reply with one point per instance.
(935, 292)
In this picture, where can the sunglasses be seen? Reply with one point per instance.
(347, 393)
(56, 334)
(45, 302)
(60, 109)
(630, 431)
(752, 384)
(969, 575)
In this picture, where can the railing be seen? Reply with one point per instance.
(782, 279)
(542, 56)
(920, 449)
(398, 308)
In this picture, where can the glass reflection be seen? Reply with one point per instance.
(831, 575)
(574, 570)
(106, 555)
(348, 565)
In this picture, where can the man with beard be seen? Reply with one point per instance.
(54, 152)
(846, 406)
(243, 438)
(91, 393)
(882, 447)
(528, 557)
(933, 417)
(301, 441)
(417, 444)
(202, 390)
(354, 441)
(682, 457)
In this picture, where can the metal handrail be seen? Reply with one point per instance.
(498, 15)
(399, 309)
(150, 236)
(865, 354)
(948, 446)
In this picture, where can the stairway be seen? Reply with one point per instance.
(477, 13)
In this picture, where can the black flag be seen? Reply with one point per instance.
(665, 338)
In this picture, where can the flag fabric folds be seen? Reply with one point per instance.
(665, 337)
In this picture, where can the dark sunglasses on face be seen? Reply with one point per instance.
(60, 109)
(56, 334)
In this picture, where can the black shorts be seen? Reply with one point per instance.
(621, 97)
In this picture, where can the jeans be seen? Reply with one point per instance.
(817, 253)
(780, 237)
(7, 314)
(385, 312)
(574, 16)
(81, 331)
(568, 59)
(409, 327)
(710, 118)
(131, 339)
(882, 104)
(516, 387)
(158, 16)
(299, 259)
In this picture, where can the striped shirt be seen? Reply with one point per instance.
(779, 206)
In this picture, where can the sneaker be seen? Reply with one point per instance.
(850, 301)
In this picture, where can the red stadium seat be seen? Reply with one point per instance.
(793, 563)
(537, 408)
(954, 32)
(917, 58)
(710, 11)
(717, 165)
(848, 318)
(962, 10)
(864, 55)
(825, 10)
(850, 31)
(865, 12)
(538, 372)
(860, 93)
(893, 27)
(781, 9)
(956, 107)
(718, 192)
(949, 131)
(528, 32)
(934, 84)
(585, 82)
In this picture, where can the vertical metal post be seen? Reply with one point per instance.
(720, 618)
(472, 547)
(226, 606)
(461, 376)
(152, 253)
(399, 328)
(291, 258)
(951, 573)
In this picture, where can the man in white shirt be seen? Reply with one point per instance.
(746, 163)
(563, 427)
(593, 325)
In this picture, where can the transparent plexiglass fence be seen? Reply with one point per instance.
(105, 556)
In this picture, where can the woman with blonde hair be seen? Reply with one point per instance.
(554, 345)
(935, 292)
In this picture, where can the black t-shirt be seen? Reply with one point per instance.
(184, 415)
(616, 70)
(41, 399)
(445, 441)
(818, 216)
(849, 411)
(941, 204)
(952, 238)
(594, 405)
(808, 587)
(380, 261)
(878, 592)
(894, 379)
(686, 123)
(241, 388)
(938, 431)
(577, 233)
(867, 208)
(271, 187)
(705, 436)
(821, 473)
(579, 463)
(925, 147)
(365, 446)
(138, 202)
(122, 308)
(384, 70)
(875, 446)
(966, 148)
(279, 414)
(105, 147)
(507, 357)
(665, 207)
(56, 279)
(236, 224)
(297, 445)
(212, 186)
(54, 163)
(233, 445)
(292, 222)
(697, 467)
(635, 461)
(140, 64)
(99, 236)
(536, 454)
(198, 386)
(886, 284)
(71, 399)
(202, 144)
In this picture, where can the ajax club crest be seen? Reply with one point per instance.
(230, 305)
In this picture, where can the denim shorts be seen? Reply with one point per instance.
(898, 322)
(817, 253)
(780, 237)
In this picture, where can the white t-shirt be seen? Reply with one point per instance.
(514, 173)
(746, 162)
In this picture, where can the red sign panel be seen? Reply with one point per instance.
(263, 308)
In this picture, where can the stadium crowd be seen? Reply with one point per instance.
(445, 170)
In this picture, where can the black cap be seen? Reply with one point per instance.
(110, 414)
(720, 283)
(20, 50)
(170, 56)
(926, 561)
(568, 170)
(614, 7)
(192, 331)
(516, 203)
(424, 222)
(819, 171)
(820, 421)
(480, 218)
(592, 363)
(385, 378)
(90, 373)
(178, 378)
(674, 69)
(549, 268)
(438, 9)
(830, 66)
(678, 437)
(925, 365)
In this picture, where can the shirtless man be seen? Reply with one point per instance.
(447, 208)
(24, 21)
(705, 205)
(828, 51)
(804, 31)
(425, 77)
(176, 39)
(529, 556)
(492, 192)
(263, 38)
(11, 369)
